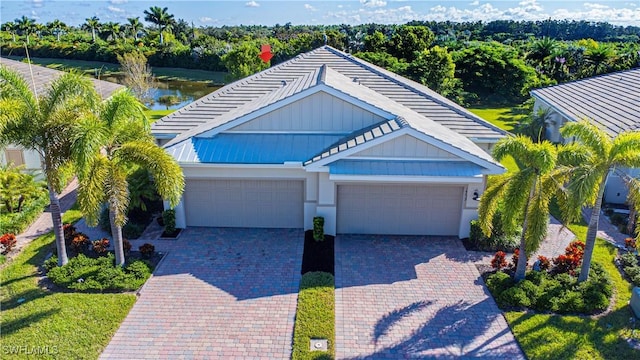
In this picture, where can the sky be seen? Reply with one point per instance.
(327, 12)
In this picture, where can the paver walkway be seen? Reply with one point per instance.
(218, 294)
(414, 297)
(43, 223)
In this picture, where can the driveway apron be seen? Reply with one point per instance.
(219, 293)
(401, 297)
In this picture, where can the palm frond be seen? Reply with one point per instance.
(517, 147)
(117, 193)
(633, 199)
(584, 183)
(165, 170)
(590, 136)
(515, 198)
(88, 138)
(573, 154)
(67, 86)
(537, 220)
(626, 142)
(91, 193)
(490, 200)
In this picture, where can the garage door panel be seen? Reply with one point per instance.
(399, 209)
(244, 203)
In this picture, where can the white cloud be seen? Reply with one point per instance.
(118, 2)
(36, 3)
(475, 3)
(252, 4)
(115, 9)
(309, 7)
(595, 6)
(530, 5)
(373, 3)
(206, 19)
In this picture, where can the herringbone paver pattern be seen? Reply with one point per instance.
(219, 294)
(414, 297)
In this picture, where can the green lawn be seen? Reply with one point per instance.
(107, 69)
(504, 118)
(545, 336)
(315, 316)
(155, 115)
(60, 325)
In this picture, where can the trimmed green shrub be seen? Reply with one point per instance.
(498, 241)
(318, 228)
(169, 218)
(82, 273)
(559, 293)
(17, 222)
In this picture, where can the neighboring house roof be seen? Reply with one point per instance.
(300, 73)
(43, 76)
(612, 101)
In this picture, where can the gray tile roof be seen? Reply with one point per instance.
(43, 76)
(612, 101)
(304, 70)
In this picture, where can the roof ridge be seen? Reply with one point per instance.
(391, 76)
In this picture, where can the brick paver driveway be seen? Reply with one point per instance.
(219, 293)
(414, 297)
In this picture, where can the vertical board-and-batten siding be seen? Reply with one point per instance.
(318, 112)
(406, 146)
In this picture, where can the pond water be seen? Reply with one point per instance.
(186, 91)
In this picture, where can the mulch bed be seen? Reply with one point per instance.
(172, 235)
(318, 255)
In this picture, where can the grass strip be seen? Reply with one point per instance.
(315, 316)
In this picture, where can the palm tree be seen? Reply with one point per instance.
(541, 50)
(106, 149)
(523, 194)
(161, 18)
(57, 27)
(113, 30)
(594, 154)
(43, 123)
(26, 26)
(599, 55)
(93, 24)
(11, 28)
(134, 27)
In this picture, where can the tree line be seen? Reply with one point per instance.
(498, 61)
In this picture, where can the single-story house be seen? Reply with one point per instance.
(610, 101)
(41, 79)
(327, 134)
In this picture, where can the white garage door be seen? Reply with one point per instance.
(399, 209)
(244, 203)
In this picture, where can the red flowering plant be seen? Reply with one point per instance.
(514, 259)
(544, 262)
(79, 243)
(571, 259)
(126, 246)
(499, 261)
(7, 243)
(147, 250)
(100, 247)
(630, 243)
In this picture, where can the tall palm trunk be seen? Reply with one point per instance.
(116, 232)
(56, 218)
(93, 34)
(592, 232)
(521, 267)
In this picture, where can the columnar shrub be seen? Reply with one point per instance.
(7, 243)
(169, 218)
(318, 228)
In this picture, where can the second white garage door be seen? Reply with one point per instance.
(399, 209)
(244, 203)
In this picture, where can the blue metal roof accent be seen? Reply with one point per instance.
(405, 167)
(256, 148)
